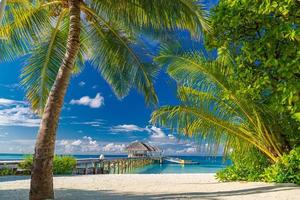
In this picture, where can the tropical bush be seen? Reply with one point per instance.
(61, 164)
(5, 171)
(247, 166)
(286, 170)
(253, 166)
(264, 39)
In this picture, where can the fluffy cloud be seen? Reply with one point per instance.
(17, 113)
(114, 148)
(84, 145)
(188, 150)
(87, 145)
(156, 133)
(7, 101)
(17, 146)
(96, 102)
(127, 128)
(81, 83)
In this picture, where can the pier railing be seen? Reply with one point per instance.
(95, 166)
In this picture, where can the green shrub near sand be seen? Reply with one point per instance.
(5, 171)
(61, 164)
(247, 165)
(285, 170)
(252, 166)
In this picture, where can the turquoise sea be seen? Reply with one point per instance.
(207, 164)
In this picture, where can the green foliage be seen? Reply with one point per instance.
(61, 164)
(247, 166)
(263, 37)
(211, 109)
(253, 166)
(286, 170)
(26, 164)
(5, 171)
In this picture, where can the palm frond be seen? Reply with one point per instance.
(23, 25)
(42, 66)
(158, 15)
(115, 54)
(209, 106)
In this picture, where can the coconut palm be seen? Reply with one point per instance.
(55, 37)
(210, 108)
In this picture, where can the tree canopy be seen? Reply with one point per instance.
(264, 39)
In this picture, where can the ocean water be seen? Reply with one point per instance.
(207, 164)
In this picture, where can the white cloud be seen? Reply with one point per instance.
(156, 133)
(81, 83)
(17, 146)
(17, 113)
(84, 145)
(76, 143)
(189, 150)
(96, 123)
(7, 101)
(96, 102)
(87, 145)
(11, 87)
(114, 148)
(127, 128)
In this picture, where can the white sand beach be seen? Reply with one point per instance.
(150, 186)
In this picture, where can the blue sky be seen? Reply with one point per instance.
(93, 120)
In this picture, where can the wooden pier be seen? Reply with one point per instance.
(115, 166)
(95, 166)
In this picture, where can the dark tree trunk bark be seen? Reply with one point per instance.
(42, 177)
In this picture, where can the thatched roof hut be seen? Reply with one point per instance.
(141, 149)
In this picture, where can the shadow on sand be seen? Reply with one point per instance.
(72, 194)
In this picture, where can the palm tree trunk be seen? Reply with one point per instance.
(2, 9)
(42, 176)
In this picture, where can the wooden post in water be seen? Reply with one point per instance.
(86, 169)
(108, 169)
(118, 167)
(94, 168)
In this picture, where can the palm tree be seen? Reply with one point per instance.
(55, 37)
(210, 108)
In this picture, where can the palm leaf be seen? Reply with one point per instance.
(24, 23)
(186, 14)
(114, 53)
(42, 66)
(210, 108)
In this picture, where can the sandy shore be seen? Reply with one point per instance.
(151, 186)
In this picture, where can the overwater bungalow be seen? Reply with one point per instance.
(141, 149)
